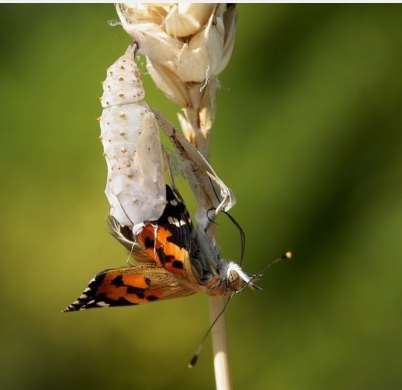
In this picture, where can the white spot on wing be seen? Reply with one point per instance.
(102, 304)
(176, 222)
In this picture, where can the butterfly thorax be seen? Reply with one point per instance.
(219, 276)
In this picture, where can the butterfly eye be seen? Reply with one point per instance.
(234, 281)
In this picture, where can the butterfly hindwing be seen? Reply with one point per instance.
(135, 285)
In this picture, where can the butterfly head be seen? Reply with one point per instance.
(237, 280)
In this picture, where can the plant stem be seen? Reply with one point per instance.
(220, 345)
(200, 139)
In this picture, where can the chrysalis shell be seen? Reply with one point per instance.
(212, 194)
(135, 186)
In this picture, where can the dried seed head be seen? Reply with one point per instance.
(194, 41)
(201, 57)
(169, 83)
(186, 19)
(187, 46)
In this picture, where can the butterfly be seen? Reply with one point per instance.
(173, 259)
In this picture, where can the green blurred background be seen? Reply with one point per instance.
(309, 137)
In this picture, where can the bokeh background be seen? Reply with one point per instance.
(309, 137)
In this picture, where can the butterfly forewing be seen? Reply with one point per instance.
(164, 268)
(135, 285)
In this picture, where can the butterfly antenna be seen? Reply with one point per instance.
(242, 235)
(194, 360)
(286, 256)
(239, 228)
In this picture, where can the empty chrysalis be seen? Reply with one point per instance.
(211, 192)
(135, 186)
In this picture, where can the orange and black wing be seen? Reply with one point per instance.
(135, 285)
(167, 241)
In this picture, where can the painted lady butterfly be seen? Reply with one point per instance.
(173, 259)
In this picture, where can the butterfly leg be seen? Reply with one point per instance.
(212, 214)
(169, 169)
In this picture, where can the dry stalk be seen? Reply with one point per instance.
(187, 46)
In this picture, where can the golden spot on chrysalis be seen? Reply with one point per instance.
(100, 98)
(121, 95)
(122, 67)
(135, 200)
(98, 119)
(128, 165)
(121, 79)
(100, 137)
(102, 83)
(130, 173)
(104, 154)
(123, 150)
(122, 133)
(122, 116)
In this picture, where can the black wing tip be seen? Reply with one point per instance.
(75, 306)
(85, 305)
(68, 309)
